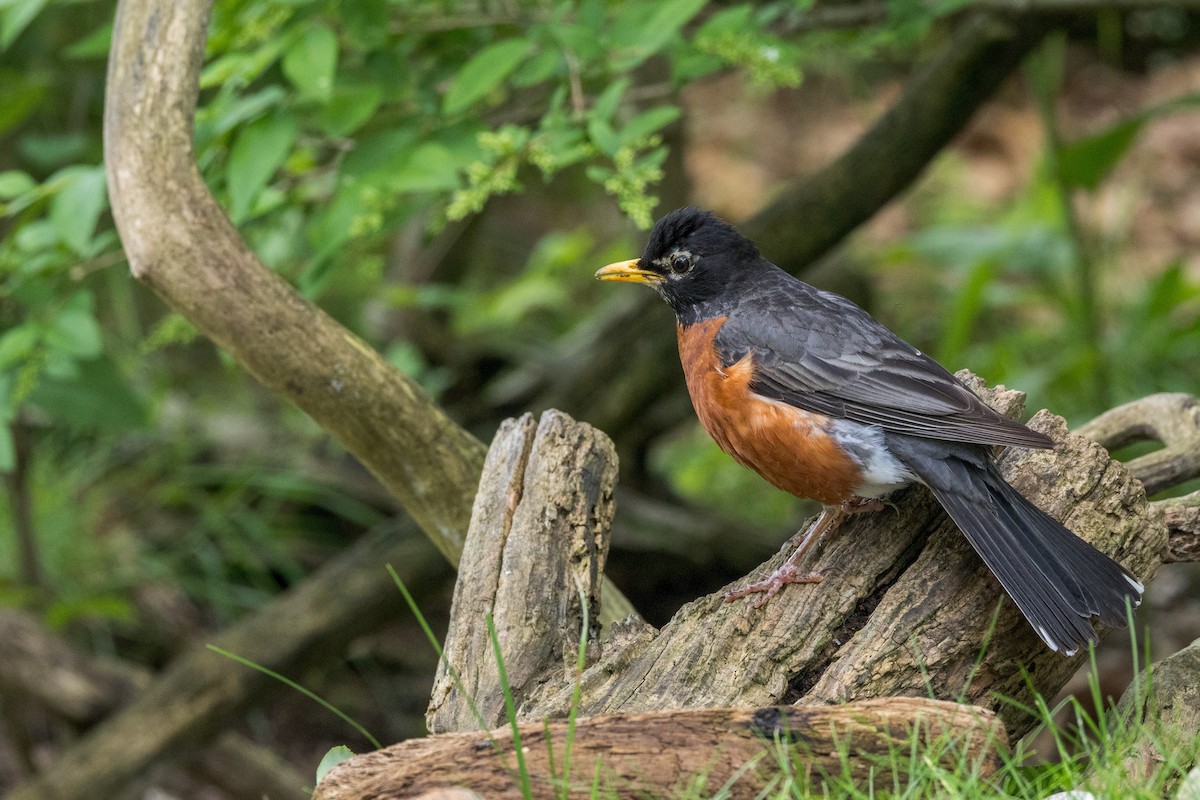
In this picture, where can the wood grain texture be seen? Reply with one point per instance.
(538, 538)
(1172, 419)
(657, 752)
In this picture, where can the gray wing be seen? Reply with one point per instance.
(822, 353)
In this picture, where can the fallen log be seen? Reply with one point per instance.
(740, 750)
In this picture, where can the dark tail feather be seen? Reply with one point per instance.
(1057, 580)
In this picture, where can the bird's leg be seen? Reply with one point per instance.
(831, 517)
(861, 505)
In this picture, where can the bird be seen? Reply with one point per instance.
(807, 389)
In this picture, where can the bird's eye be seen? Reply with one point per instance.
(681, 263)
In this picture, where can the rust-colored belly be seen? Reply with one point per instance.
(789, 447)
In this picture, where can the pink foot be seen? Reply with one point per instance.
(771, 585)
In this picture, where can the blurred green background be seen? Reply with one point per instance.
(444, 178)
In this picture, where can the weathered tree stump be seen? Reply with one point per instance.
(536, 546)
(906, 609)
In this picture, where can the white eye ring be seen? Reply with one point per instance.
(681, 263)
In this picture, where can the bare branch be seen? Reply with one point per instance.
(806, 221)
(181, 244)
(1172, 419)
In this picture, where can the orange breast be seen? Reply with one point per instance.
(790, 448)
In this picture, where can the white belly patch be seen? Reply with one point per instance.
(882, 473)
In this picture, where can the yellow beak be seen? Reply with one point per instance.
(628, 271)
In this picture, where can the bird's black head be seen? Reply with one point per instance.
(691, 259)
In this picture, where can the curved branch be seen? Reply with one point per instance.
(1173, 419)
(1170, 418)
(181, 244)
(806, 221)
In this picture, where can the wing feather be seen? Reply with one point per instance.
(820, 352)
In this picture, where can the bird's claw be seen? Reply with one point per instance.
(770, 586)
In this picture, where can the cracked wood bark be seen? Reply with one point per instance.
(538, 539)
(656, 753)
(905, 609)
(181, 244)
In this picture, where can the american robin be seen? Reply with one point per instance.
(812, 393)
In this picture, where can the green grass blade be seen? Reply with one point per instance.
(437, 648)
(307, 693)
(510, 710)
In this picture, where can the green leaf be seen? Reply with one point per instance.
(75, 332)
(582, 41)
(430, 167)
(606, 103)
(483, 72)
(540, 68)
(1088, 161)
(378, 152)
(647, 123)
(14, 183)
(15, 16)
(603, 136)
(95, 45)
(335, 756)
(8, 454)
(642, 29)
(311, 61)
(77, 206)
(350, 108)
(256, 155)
(98, 399)
(21, 94)
(222, 116)
(242, 68)
(366, 22)
(17, 344)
